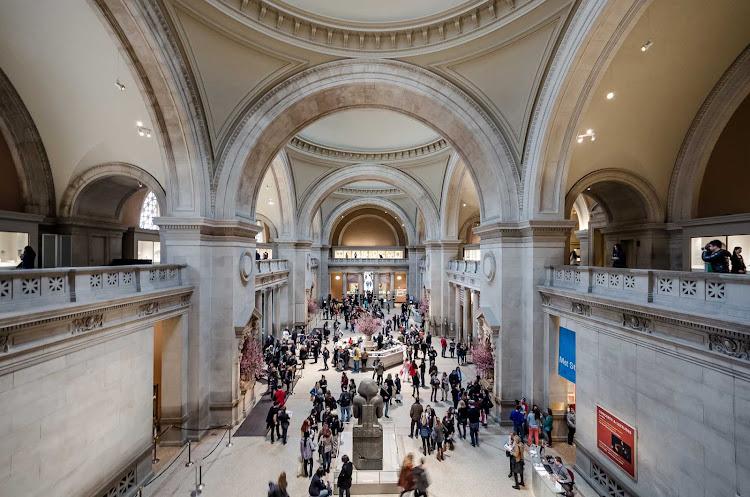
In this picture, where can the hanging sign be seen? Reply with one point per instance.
(566, 357)
(616, 439)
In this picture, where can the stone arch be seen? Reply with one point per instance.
(589, 43)
(300, 100)
(704, 132)
(27, 150)
(272, 229)
(77, 186)
(162, 76)
(582, 212)
(360, 172)
(380, 202)
(465, 227)
(286, 193)
(451, 197)
(368, 216)
(642, 190)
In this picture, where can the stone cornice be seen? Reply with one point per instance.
(705, 334)
(426, 149)
(552, 230)
(207, 227)
(369, 192)
(466, 22)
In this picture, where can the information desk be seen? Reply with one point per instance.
(543, 484)
(390, 357)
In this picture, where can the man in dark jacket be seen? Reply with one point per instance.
(271, 419)
(345, 477)
(716, 256)
(518, 420)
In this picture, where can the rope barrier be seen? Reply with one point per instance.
(217, 445)
(164, 470)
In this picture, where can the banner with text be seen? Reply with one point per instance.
(616, 439)
(566, 357)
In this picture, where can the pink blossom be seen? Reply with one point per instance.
(483, 358)
(368, 325)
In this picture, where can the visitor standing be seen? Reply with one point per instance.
(518, 462)
(306, 448)
(570, 419)
(344, 481)
(415, 414)
(548, 427)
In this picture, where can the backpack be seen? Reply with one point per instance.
(345, 399)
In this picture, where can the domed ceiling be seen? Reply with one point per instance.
(377, 10)
(369, 130)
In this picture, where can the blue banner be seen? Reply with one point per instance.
(566, 358)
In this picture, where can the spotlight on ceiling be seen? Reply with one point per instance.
(464, 205)
(610, 95)
(119, 85)
(398, 277)
(646, 45)
(338, 277)
(588, 134)
(141, 130)
(270, 201)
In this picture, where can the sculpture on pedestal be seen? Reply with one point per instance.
(368, 433)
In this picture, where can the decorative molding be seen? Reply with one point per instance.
(426, 149)
(580, 308)
(369, 192)
(88, 323)
(209, 227)
(546, 300)
(463, 23)
(4, 345)
(148, 309)
(489, 266)
(246, 265)
(732, 347)
(638, 323)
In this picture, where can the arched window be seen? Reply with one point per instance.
(149, 210)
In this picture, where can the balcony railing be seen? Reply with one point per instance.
(270, 266)
(726, 295)
(368, 262)
(20, 289)
(461, 266)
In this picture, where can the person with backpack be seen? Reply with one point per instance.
(283, 420)
(421, 482)
(345, 404)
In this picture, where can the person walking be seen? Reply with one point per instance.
(406, 475)
(380, 371)
(421, 482)
(473, 416)
(435, 385)
(326, 355)
(425, 432)
(326, 440)
(344, 481)
(306, 448)
(570, 419)
(518, 462)
(438, 438)
(415, 414)
(445, 386)
(283, 420)
(463, 417)
(415, 385)
(271, 419)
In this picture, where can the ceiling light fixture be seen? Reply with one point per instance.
(588, 134)
(464, 205)
(270, 201)
(610, 95)
(119, 85)
(647, 45)
(398, 277)
(141, 130)
(338, 277)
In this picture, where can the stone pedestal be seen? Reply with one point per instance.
(367, 433)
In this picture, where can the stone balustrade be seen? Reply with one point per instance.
(34, 288)
(270, 266)
(368, 262)
(462, 266)
(721, 295)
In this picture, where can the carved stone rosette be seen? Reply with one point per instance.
(87, 323)
(148, 309)
(637, 323)
(732, 347)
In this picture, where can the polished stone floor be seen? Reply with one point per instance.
(246, 468)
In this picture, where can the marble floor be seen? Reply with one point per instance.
(246, 468)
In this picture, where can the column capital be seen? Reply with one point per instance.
(202, 226)
(532, 229)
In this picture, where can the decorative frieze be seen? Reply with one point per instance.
(148, 309)
(733, 347)
(87, 323)
(637, 323)
(580, 308)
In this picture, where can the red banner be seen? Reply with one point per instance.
(616, 439)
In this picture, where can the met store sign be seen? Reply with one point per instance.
(566, 357)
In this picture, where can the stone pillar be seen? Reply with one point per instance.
(514, 256)
(467, 315)
(223, 302)
(472, 310)
(439, 253)
(583, 237)
(360, 283)
(411, 274)
(375, 284)
(393, 284)
(276, 312)
(283, 305)
(324, 276)
(676, 260)
(296, 252)
(457, 322)
(174, 378)
(267, 332)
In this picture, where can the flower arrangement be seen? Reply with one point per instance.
(312, 306)
(368, 325)
(483, 358)
(251, 359)
(424, 307)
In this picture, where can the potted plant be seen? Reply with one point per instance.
(368, 326)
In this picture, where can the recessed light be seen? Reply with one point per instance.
(464, 205)
(398, 277)
(338, 277)
(610, 95)
(141, 133)
(589, 131)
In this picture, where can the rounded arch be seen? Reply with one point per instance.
(273, 232)
(451, 197)
(78, 185)
(286, 193)
(695, 152)
(356, 203)
(582, 212)
(375, 217)
(387, 84)
(466, 232)
(27, 151)
(639, 192)
(359, 172)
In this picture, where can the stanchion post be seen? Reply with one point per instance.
(155, 459)
(229, 429)
(190, 458)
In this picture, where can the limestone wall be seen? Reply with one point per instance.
(70, 422)
(691, 412)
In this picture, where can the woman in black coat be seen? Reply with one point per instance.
(27, 258)
(738, 264)
(618, 256)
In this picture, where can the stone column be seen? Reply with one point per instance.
(439, 253)
(393, 284)
(283, 304)
(223, 302)
(457, 322)
(276, 312)
(324, 275)
(583, 237)
(360, 282)
(513, 258)
(266, 314)
(296, 253)
(174, 378)
(472, 310)
(375, 284)
(411, 274)
(467, 315)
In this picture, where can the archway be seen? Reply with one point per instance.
(381, 203)
(392, 85)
